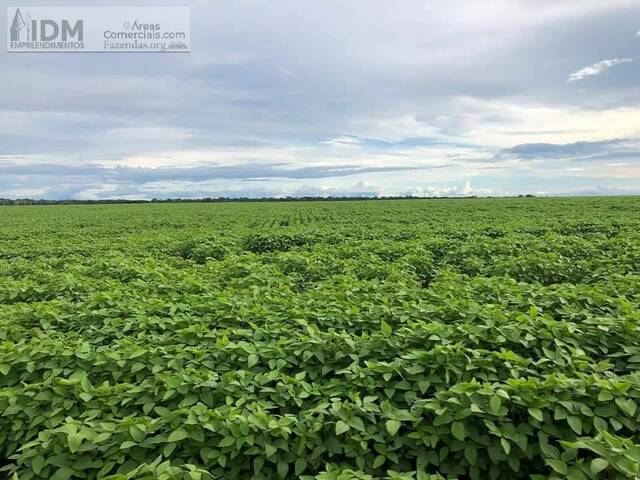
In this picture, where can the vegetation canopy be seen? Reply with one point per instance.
(406, 339)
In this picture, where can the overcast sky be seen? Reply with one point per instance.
(365, 97)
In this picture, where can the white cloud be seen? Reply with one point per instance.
(511, 120)
(597, 68)
(360, 189)
(342, 140)
(466, 190)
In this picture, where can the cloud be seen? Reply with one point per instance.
(360, 189)
(599, 190)
(421, 94)
(342, 140)
(597, 68)
(143, 175)
(576, 150)
(480, 122)
(465, 190)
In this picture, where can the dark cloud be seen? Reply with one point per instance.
(193, 174)
(602, 190)
(605, 149)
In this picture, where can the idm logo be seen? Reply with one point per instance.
(25, 28)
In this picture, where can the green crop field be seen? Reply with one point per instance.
(405, 339)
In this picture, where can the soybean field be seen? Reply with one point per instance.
(337, 340)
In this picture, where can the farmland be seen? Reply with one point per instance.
(407, 339)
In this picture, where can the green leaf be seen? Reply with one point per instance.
(458, 431)
(283, 469)
(74, 440)
(269, 449)
(605, 396)
(341, 427)
(575, 423)
(167, 450)
(86, 396)
(258, 463)
(227, 442)
(506, 446)
(471, 454)
(37, 464)
(63, 473)
(598, 465)
(137, 434)
(252, 359)
(575, 474)
(392, 426)
(357, 423)
(300, 466)
(558, 465)
(633, 453)
(386, 328)
(600, 425)
(537, 414)
(494, 404)
(177, 435)
(627, 405)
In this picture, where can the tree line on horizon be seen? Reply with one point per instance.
(33, 201)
